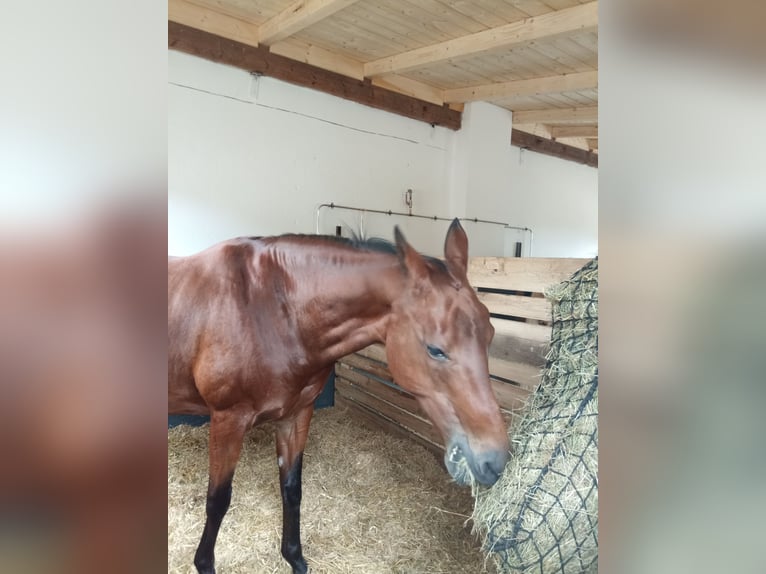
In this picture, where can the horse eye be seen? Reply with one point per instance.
(436, 353)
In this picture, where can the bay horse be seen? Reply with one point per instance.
(255, 326)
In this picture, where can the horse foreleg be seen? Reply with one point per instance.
(291, 439)
(227, 431)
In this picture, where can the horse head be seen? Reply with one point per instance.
(437, 347)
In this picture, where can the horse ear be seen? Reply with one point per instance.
(456, 250)
(412, 261)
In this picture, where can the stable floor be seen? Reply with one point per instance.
(372, 504)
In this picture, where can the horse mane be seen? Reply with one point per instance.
(374, 244)
(380, 245)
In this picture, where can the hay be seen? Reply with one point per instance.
(372, 504)
(542, 515)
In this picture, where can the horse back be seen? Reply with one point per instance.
(230, 332)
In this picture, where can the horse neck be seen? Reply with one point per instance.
(346, 302)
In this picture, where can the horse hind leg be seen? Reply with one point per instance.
(227, 431)
(291, 437)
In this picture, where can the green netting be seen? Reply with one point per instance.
(542, 515)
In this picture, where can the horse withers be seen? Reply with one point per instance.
(255, 326)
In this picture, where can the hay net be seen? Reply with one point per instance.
(542, 515)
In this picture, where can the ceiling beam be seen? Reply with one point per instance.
(410, 87)
(520, 88)
(320, 57)
(234, 28)
(581, 18)
(573, 131)
(259, 59)
(298, 16)
(539, 144)
(196, 16)
(556, 115)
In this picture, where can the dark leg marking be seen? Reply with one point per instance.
(291, 517)
(218, 499)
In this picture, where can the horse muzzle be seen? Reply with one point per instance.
(462, 462)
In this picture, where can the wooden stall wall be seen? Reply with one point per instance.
(512, 289)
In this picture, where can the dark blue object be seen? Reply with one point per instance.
(325, 399)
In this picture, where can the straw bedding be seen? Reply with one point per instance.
(372, 503)
(542, 515)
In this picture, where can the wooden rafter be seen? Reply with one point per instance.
(410, 87)
(518, 88)
(556, 149)
(550, 25)
(319, 57)
(574, 131)
(239, 30)
(259, 59)
(298, 16)
(375, 84)
(556, 115)
(224, 25)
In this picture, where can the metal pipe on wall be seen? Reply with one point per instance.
(531, 237)
(363, 210)
(389, 212)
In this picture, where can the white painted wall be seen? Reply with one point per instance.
(257, 156)
(557, 199)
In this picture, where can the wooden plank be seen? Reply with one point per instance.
(298, 16)
(592, 143)
(376, 352)
(258, 59)
(376, 421)
(520, 88)
(546, 26)
(537, 308)
(400, 398)
(556, 149)
(362, 363)
(525, 374)
(392, 412)
(532, 274)
(553, 115)
(574, 131)
(319, 57)
(519, 352)
(511, 357)
(521, 330)
(522, 346)
(227, 26)
(509, 397)
(410, 87)
(430, 21)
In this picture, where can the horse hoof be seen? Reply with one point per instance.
(204, 567)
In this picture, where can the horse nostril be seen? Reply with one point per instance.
(489, 471)
(492, 467)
